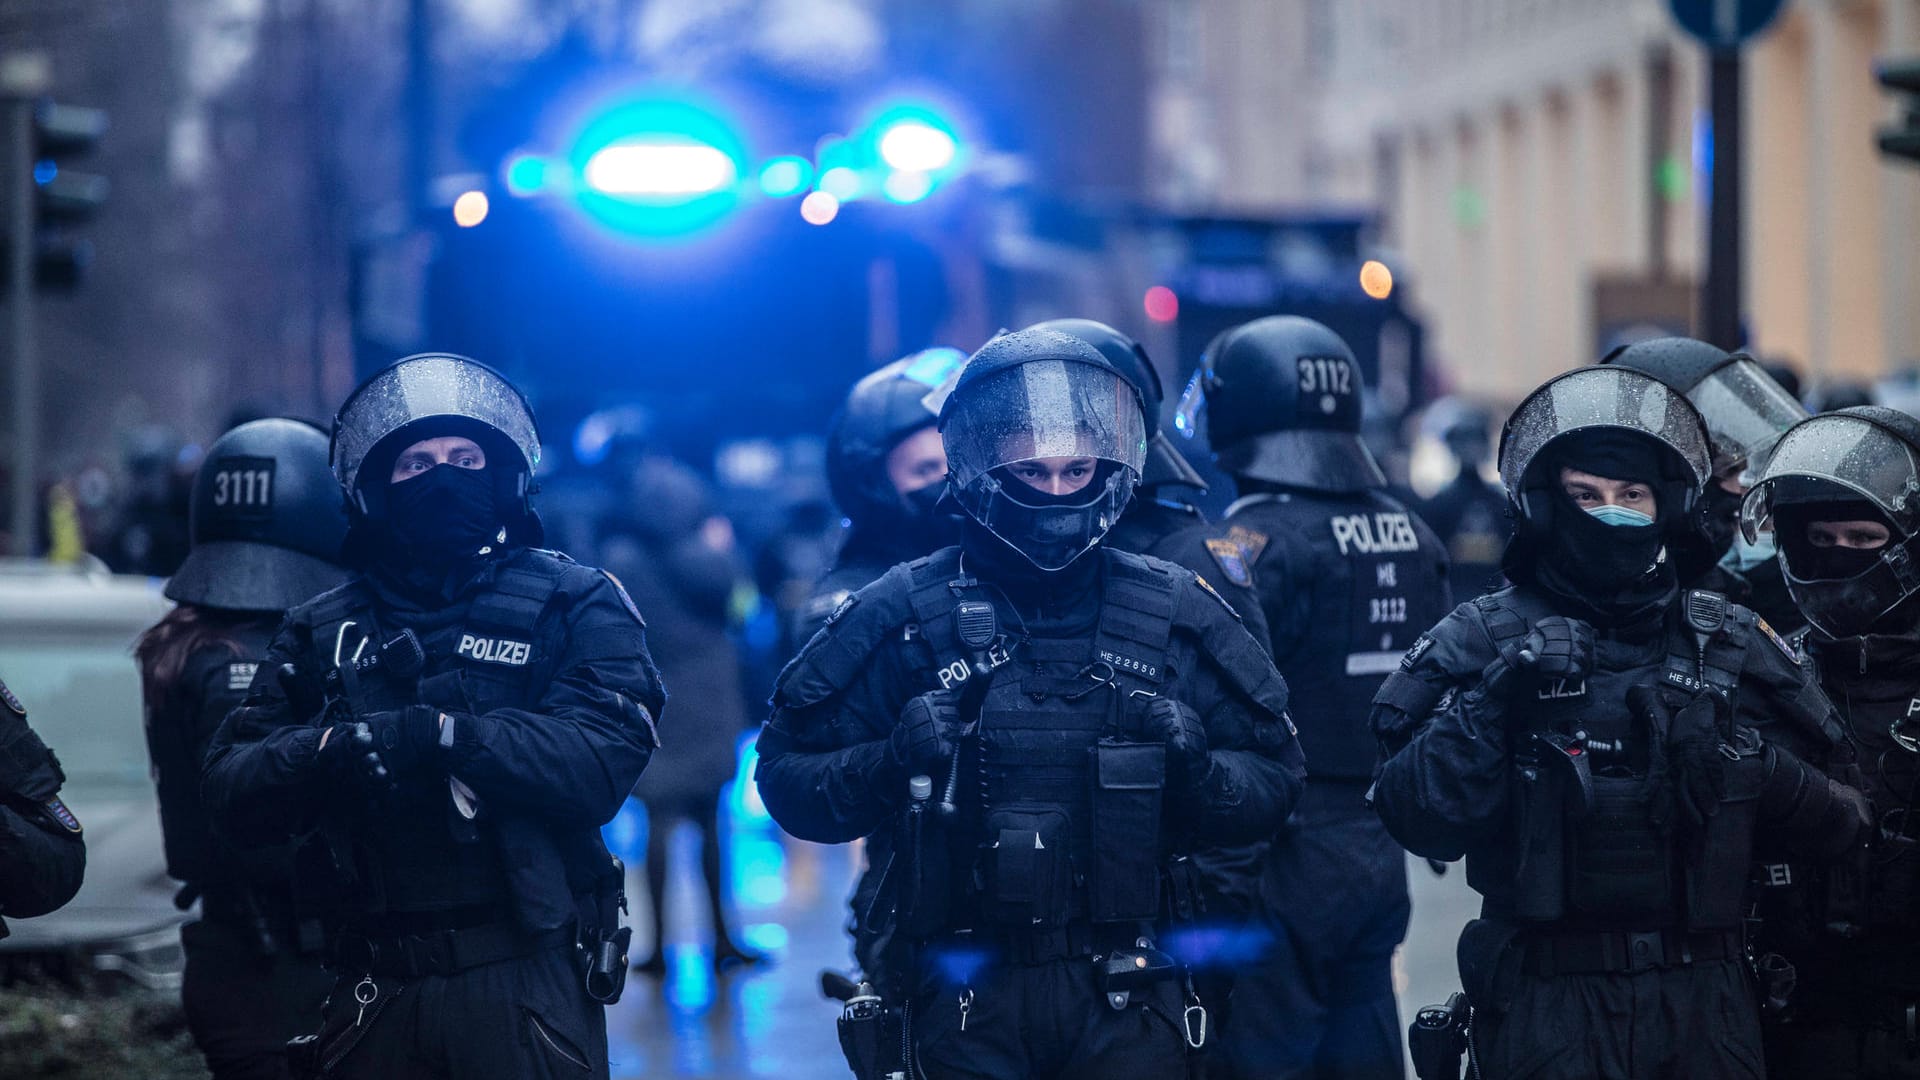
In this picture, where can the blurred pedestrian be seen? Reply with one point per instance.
(266, 532)
(678, 562)
(1469, 515)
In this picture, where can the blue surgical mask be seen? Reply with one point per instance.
(1743, 556)
(1619, 515)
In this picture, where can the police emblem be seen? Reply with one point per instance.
(11, 702)
(1251, 541)
(58, 811)
(1774, 636)
(1416, 651)
(1232, 561)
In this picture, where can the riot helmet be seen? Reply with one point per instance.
(1858, 464)
(882, 410)
(1279, 399)
(265, 521)
(1593, 406)
(1745, 410)
(430, 395)
(1164, 467)
(1034, 398)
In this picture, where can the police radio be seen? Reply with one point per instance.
(976, 625)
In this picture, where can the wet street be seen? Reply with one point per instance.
(771, 1021)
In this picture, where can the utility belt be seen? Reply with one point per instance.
(443, 952)
(1596, 952)
(1076, 939)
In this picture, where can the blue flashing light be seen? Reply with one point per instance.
(913, 145)
(45, 171)
(907, 187)
(657, 168)
(841, 182)
(785, 176)
(527, 174)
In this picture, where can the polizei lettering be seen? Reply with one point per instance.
(495, 650)
(1375, 534)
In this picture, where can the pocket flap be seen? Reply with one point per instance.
(1130, 766)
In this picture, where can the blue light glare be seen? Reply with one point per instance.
(658, 168)
(840, 182)
(45, 171)
(907, 187)
(526, 175)
(785, 176)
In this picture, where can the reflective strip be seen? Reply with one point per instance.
(1373, 663)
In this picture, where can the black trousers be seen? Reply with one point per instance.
(1319, 1003)
(527, 1017)
(1047, 1021)
(243, 1006)
(1697, 1022)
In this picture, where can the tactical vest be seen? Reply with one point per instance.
(1060, 797)
(418, 850)
(1596, 839)
(1373, 586)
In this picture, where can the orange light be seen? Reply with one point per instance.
(470, 209)
(1162, 304)
(1375, 279)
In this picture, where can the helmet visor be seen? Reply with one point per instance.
(1746, 413)
(1602, 397)
(1044, 409)
(1864, 459)
(429, 386)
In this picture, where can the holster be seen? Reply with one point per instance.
(604, 941)
(872, 1038)
(1437, 1039)
(1123, 873)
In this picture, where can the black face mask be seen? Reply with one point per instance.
(446, 512)
(1597, 556)
(931, 525)
(1832, 563)
(1719, 515)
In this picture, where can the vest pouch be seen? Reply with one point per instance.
(1619, 866)
(1720, 856)
(1123, 869)
(1539, 866)
(1026, 874)
(1893, 903)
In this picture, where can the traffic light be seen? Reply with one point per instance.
(62, 197)
(1902, 76)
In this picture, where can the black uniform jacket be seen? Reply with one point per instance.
(826, 775)
(1443, 790)
(567, 760)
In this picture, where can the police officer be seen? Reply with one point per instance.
(1154, 522)
(1346, 576)
(266, 533)
(1469, 515)
(886, 469)
(1607, 752)
(1837, 491)
(1746, 412)
(42, 853)
(1084, 716)
(457, 721)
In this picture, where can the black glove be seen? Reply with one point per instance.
(1176, 724)
(1696, 745)
(1556, 648)
(346, 749)
(27, 768)
(923, 739)
(405, 738)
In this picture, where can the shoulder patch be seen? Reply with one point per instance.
(62, 816)
(1232, 560)
(841, 607)
(1774, 636)
(11, 702)
(1415, 651)
(627, 601)
(1215, 593)
(1251, 541)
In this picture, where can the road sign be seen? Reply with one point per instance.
(1724, 24)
